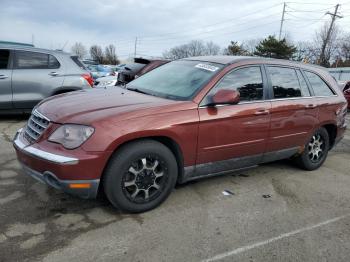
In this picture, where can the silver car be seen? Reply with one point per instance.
(28, 75)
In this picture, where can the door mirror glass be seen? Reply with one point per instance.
(225, 96)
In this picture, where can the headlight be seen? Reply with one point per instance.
(71, 136)
(108, 83)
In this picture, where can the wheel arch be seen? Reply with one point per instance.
(167, 141)
(332, 133)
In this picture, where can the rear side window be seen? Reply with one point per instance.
(53, 62)
(285, 82)
(248, 81)
(4, 58)
(31, 60)
(78, 62)
(318, 85)
(304, 89)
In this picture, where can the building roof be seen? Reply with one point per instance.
(339, 69)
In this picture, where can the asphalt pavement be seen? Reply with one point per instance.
(275, 212)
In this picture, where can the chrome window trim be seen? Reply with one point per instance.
(263, 101)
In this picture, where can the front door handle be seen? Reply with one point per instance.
(53, 74)
(261, 111)
(310, 106)
(3, 77)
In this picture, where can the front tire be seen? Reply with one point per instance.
(316, 151)
(140, 176)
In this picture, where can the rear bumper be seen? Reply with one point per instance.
(79, 176)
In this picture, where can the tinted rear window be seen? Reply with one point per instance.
(285, 82)
(31, 60)
(4, 58)
(318, 85)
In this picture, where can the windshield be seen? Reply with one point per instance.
(179, 80)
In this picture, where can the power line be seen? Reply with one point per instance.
(210, 25)
(203, 33)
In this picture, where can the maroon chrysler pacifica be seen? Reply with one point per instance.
(188, 119)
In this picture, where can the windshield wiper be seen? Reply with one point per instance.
(138, 90)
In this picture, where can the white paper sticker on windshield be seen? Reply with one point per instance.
(207, 67)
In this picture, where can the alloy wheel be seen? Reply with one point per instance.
(316, 148)
(144, 179)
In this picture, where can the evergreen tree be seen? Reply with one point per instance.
(271, 47)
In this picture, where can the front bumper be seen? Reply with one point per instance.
(80, 188)
(79, 176)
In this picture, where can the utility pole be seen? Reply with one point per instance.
(282, 20)
(325, 42)
(135, 47)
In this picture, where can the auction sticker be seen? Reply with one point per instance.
(207, 67)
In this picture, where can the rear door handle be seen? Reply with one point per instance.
(3, 77)
(310, 106)
(261, 111)
(53, 74)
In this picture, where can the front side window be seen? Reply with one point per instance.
(178, 80)
(4, 58)
(247, 81)
(285, 82)
(31, 60)
(318, 85)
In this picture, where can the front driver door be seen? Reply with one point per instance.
(234, 136)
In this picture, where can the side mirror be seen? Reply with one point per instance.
(226, 96)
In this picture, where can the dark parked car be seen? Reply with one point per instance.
(28, 75)
(129, 72)
(188, 119)
(137, 69)
(346, 90)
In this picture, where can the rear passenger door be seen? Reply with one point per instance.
(5, 80)
(293, 112)
(35, 76)
(325, 98)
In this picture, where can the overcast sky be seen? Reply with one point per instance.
(159, 24)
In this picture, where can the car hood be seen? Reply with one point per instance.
(87, 106)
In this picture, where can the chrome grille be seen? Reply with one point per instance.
(36, 125)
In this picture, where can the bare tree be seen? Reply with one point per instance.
(79, 50)
(96, 53)
(193, 48)
(326, 43)
(110, 55)
(345, 47)
(212, 48)
(250, 45)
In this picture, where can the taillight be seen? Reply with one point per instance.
(89, 79)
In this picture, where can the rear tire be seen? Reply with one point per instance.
(140, 176)
(315, 152)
